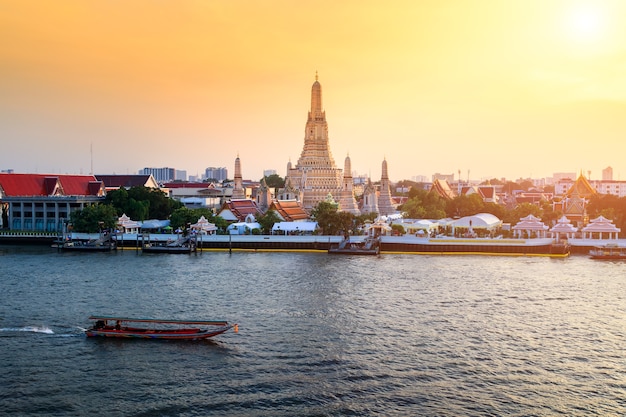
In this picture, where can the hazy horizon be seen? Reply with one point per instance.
(516, 89)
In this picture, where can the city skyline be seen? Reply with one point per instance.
(517, 89)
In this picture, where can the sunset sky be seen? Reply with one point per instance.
(494, 88)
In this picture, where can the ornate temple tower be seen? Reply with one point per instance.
(315, 174)
(370, 198)
(264, 196)
(385, 204)
(238, 191)
(347, 201)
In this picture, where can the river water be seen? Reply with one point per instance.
(319, 335)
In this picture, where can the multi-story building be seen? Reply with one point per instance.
(613, 187)
(39, 202)
(160, 174)
(218, 174)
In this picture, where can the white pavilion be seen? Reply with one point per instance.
(601, 228)
(563, 227)
(530, 225)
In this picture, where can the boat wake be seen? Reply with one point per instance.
(31, 329)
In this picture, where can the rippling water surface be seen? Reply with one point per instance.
(319, 335)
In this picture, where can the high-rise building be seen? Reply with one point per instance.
(181, 175)
(161, 175)
(315, 174)
(607, 174)
(218, 174)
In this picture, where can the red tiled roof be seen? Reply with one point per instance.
(487, 192)
(188, 185)
(442, 188)
(289, 210)
(241, 208)
(28, 185)
(117, 181)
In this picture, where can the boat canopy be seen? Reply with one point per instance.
(155, 224)
(160, 321)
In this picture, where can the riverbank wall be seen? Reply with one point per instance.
(389, 244)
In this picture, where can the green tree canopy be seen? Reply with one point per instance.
(331, 221)
(465, 205)
(94, 218)
(267, 221)
(142, 203)
(424, 204)
(274, 181)
(183, 216)
(521, 211)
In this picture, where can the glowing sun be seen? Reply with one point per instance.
(586, 23)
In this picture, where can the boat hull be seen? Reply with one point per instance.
(182, 334)
(372, 252)
(166, 249)
(608, 253)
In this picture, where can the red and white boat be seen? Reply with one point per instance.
(124, 327)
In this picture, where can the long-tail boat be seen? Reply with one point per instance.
(124, 327)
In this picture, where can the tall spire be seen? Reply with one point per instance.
(315, 174)
(385, 202)
(347, 202)
(238, 191)
(316, 100)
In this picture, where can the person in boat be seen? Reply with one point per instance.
(118, 325)
(99, 324)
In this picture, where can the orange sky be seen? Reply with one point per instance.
(497, 88)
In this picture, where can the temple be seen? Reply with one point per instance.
(315, 175)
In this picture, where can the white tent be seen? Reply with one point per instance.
(478, 221)
(281, 228)
(413, 226)
(242, 228)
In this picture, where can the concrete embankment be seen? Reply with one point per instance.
(389, 244)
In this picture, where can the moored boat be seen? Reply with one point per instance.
(94, 245)
(124, 327)
(185, 244)
(608, 252)
(370, 246)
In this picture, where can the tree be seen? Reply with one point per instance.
(331, 221)
(521, 211)
(142, 203)
(497, 210)
(267, 221)
(424, 204)
(465, 205)
(343, 223)
(94, 218)
(274, 181)
(361, 219)
(398, 229)
(323, 214)
(509, 187)
(183, 216)
(609, 206)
